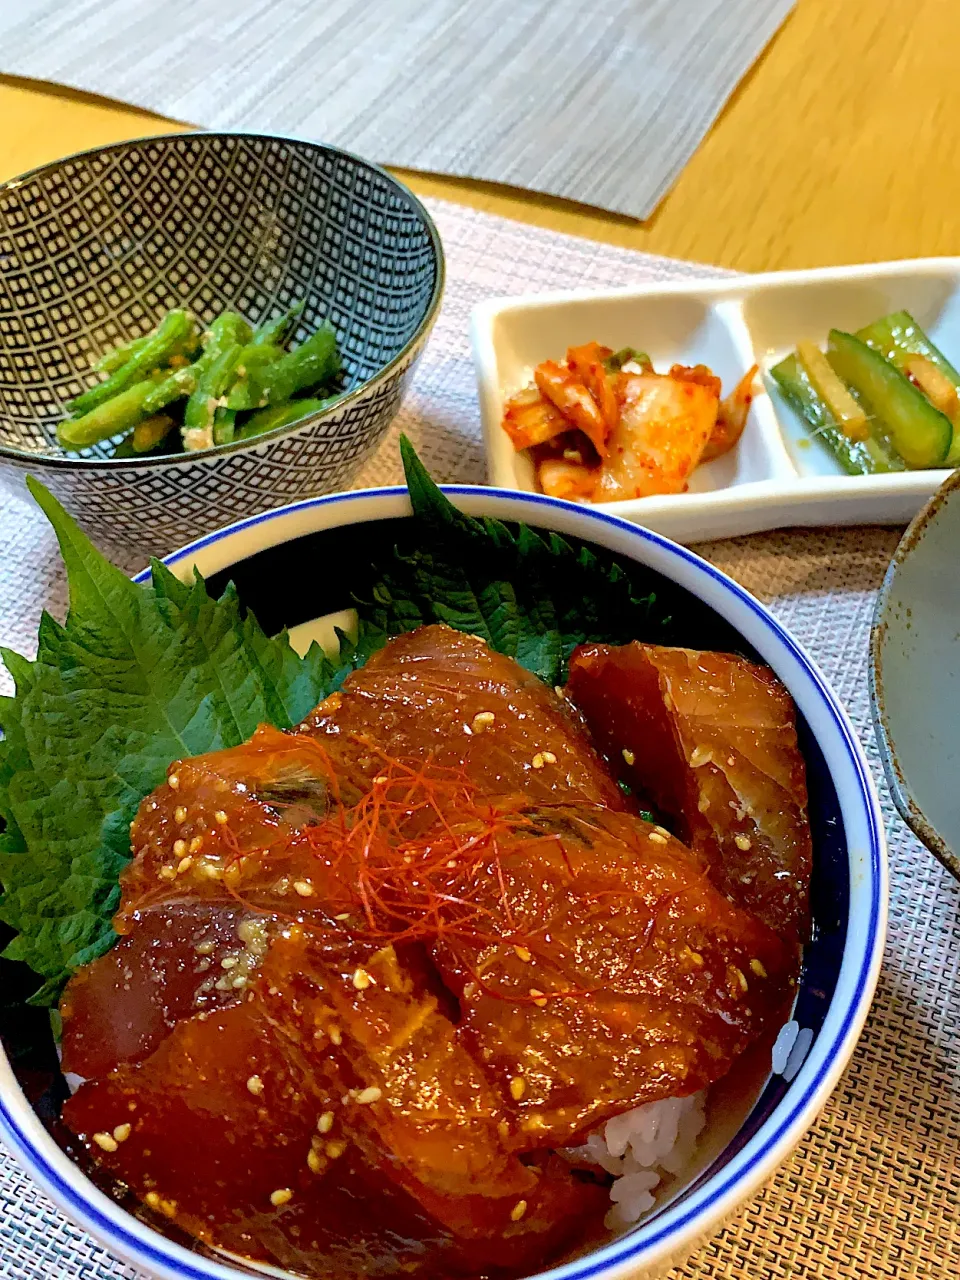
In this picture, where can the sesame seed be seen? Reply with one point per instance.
(180, 813)
(381, 779)
(656, 837)
(168, 1207)
(335, 1035)
(325, 1123)
(314, 1161)
(179, 848)
(758, 969)
(539, 999)
(152, 1199)
(522, 953)
(663, 831)
(122, 1132)
(105, 1141)
(336, 1148)
(451, 864)
(549, 757)
(167, 873)
(281, 1197)
(229, 962)
(361, 980)
(742, 842)
(628, 756)
(220, 817)
(196, 844)
(255, 1085)
(741, 978)
(304, 888)
(558, 690)
(518, 1087)
(344, 915)
(211, 870)
(184, 864)
(239, 982)
(173, 782)
(537, 761)
(518, 1210)
(368, 1095)
(482, 720)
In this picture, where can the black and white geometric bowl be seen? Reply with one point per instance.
(96, 247)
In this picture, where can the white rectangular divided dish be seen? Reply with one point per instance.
(777, 476)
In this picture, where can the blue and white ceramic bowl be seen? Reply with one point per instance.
(96, 247)
(269, 557)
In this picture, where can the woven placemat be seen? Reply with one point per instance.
(603, 104)
(873, 1192)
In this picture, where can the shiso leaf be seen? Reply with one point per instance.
(137, 676)
(534, 596)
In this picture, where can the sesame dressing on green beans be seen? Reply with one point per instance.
(181, 388)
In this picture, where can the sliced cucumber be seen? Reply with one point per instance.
(872, 456)
(921, 434)
(898, 337)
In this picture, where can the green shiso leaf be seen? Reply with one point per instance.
(137, 676)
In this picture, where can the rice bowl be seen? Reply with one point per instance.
(649, 1144)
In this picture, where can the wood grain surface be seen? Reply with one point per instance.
(841, 145)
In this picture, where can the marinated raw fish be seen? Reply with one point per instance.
(621, 974)
(439, 694)
(712, 740)
(374, 973)
(297, 1157)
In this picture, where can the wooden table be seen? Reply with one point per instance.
(841, 145)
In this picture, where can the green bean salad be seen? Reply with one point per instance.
(178, 388)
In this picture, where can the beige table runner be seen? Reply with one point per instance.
(603, 103)
(874, 1191)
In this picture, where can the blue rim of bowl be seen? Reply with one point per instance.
(755, 1160)
(403, 355)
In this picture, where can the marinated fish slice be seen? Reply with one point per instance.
(441, 695)
(223, 1141)
(712, 739)
(271, 1094)
(120, 1007)
(412, 1098)
(192, 835)
(624, 975)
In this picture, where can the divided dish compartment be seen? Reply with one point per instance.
(777, 475)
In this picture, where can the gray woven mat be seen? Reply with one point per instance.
(602, 103)
(874, 1191)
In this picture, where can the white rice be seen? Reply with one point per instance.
(640, 1148)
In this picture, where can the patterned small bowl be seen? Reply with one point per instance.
(96, 247)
